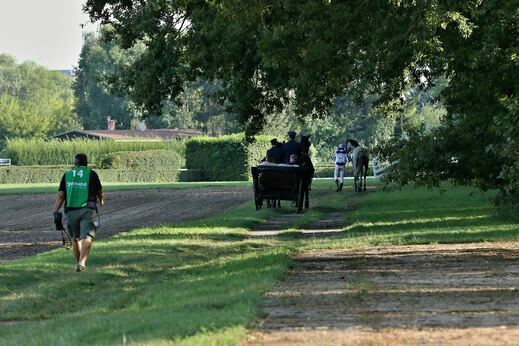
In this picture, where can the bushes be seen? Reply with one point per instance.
(207, 158)
(30, 152)
(53, 174)
(224, 158)
(144, 160)
(35, 174)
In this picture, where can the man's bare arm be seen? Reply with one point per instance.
(101, 197)
(60, 198)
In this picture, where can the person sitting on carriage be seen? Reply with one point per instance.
(294, 159)
(291, 147)
(275, 153)
(341, 159)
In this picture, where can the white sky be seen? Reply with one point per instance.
(45, 31)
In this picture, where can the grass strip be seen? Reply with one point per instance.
(193, 283)
(200, 282)
(421, 216)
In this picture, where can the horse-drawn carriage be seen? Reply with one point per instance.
(281, 182)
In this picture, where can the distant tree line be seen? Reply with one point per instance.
(34, 101)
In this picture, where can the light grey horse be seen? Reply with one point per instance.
(360, 161)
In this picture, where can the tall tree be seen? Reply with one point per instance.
(96, 100)
(102, 91)
(323, 49)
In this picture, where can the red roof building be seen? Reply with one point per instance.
(126, 135)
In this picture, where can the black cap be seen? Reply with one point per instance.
(274, 141)
(292, 133)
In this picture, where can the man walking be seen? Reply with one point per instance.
(341, 159)
(81, 190)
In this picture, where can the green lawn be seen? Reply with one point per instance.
(421, 216)
(201, 282)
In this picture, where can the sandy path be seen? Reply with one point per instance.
(459, 294)
(26, 225)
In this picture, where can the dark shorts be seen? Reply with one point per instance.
(80, 223)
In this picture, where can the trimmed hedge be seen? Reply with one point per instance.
(144, 160)
(53, 174)
(32, 152)
(224, 158)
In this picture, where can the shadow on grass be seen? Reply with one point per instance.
(183, 283)
(457, 229)
(431, 212)
(414, 216)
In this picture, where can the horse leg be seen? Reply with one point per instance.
(365, 175)
(354, 179)
(307, 199)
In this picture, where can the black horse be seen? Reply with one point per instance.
(308, 168)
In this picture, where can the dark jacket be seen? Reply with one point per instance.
(275, 154)
(291, 147)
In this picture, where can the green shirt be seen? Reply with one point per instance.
(76, 181)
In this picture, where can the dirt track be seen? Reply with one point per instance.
(459, 294)
(26, 226)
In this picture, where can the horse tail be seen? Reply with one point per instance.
(365, 162)
(357, 165)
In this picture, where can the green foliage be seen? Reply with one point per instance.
(348, 120)
(477, 141)
(421, 108)
(144, 160)
(53, 174)
(226, 157)
(56, 152)
(315, 49)
(197, 108)
(100, 92)
(34, 102)
(318, 50)
(32, 174)
(95, 101)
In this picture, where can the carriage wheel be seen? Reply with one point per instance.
(300, 198)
